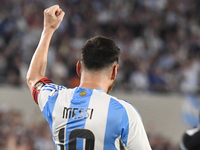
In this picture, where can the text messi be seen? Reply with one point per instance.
(77, 113)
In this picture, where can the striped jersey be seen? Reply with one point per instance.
(89, 119)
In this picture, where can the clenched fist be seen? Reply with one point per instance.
(53, 16)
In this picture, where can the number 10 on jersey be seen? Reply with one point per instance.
(74, 135)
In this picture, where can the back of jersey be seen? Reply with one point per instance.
(88, 119)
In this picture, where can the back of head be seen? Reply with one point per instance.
(190, 139)
(99, 53)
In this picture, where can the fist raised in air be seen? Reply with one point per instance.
(53, 16)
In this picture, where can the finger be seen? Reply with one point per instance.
(52, 10)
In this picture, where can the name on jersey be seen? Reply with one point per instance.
(77, 113)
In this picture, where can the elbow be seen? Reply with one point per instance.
(29, 80)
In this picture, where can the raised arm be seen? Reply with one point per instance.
(53, 16)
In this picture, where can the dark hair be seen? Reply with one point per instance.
(99, 52)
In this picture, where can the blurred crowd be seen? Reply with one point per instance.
(159, 41)
(14, 135)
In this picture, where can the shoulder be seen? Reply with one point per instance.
(53, 87)
(131, 111)
(52, 92)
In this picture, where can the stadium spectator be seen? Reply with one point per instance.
(164, 34)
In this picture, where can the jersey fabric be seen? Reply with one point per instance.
(89, 119)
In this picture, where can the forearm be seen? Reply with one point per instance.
(52, 19)
(38, 63)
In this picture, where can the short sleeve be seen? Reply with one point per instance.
(137, 137)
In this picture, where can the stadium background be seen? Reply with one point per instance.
(159, 63)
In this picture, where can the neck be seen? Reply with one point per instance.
(92, 81)
(92, 85)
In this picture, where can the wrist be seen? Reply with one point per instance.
(48, 30)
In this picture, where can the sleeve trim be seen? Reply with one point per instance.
(38, 86)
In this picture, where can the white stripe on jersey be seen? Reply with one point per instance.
(100, 102)
(58, 121)
(136, 129)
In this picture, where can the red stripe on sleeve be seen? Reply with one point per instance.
(37, 87)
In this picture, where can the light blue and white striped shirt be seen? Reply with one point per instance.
(90, 119)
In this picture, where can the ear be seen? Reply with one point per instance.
(78, 68)
(114, 72)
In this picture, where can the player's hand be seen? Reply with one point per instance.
(53, 16)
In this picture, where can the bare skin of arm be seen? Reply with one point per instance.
(53, 16)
